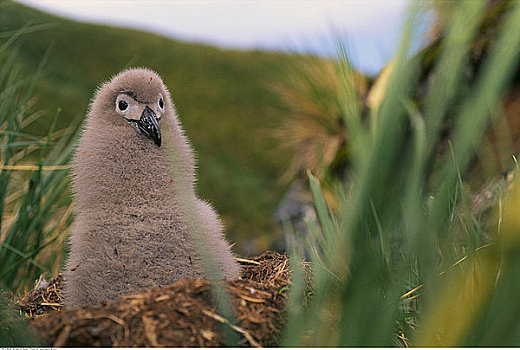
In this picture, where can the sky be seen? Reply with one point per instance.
(369, 28)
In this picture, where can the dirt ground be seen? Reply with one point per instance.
(179, 315)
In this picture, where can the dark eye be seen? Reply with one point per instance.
(161, 103)
(123, 105)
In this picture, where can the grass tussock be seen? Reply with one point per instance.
(404, 261)
(35, 209)
(313, 131)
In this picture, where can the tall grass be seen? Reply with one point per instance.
(403, 262)
(35, 207)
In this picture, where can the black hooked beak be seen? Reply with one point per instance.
(149, 126)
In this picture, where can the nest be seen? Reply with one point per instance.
(182, 314)
(43, 298)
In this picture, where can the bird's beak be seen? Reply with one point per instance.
(149, 126)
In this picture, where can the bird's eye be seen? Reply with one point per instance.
(122, 105)
(161, 103)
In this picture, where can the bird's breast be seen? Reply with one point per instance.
(122, 173)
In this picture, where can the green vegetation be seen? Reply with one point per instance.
(403, 261)
(13, 332)
(221, 96)
(35, 208)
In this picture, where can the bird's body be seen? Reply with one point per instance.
(134, 191)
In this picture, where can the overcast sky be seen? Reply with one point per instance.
(370, 28)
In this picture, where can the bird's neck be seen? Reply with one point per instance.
(123, 173)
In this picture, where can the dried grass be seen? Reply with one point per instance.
(182, 314)
(313, 130)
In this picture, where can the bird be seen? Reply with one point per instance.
(133, 185)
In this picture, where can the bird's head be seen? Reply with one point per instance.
(138, 97)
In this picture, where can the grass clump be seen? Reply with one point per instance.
(35, 208)
(394, 265)
(313, 131)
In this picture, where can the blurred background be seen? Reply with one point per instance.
(371, 28)
(223, 61)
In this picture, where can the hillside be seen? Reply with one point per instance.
(221, 96)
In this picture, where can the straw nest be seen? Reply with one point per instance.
(182, 314)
